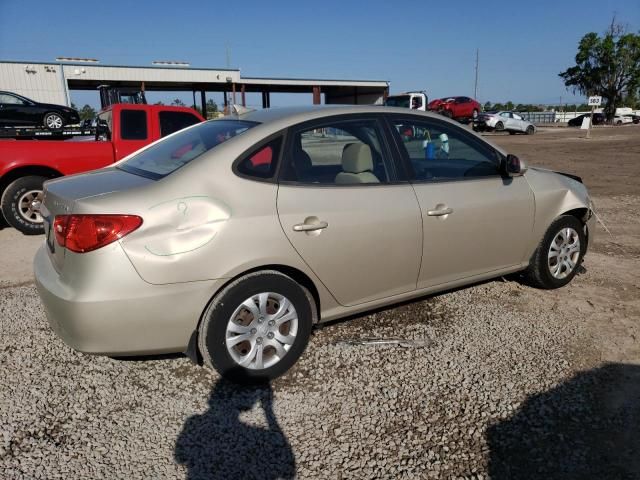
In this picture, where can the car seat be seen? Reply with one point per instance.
(357, 165)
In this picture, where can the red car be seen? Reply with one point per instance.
(459, 108)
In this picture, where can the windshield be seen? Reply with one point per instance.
(398, 101)
(177, 150)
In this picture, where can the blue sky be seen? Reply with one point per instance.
(416, 45)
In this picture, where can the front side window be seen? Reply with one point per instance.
(173, 152)
(438, 151)
(133, 125)
(338, 153)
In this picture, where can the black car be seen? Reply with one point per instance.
(18, 111)
(598, 119)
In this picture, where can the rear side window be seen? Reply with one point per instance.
(133, 125)
(171, 122)
(173, 152)
(262, 162)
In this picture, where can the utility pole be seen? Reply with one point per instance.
(475, 88)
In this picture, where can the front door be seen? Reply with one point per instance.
(345, 213)
(475, 221)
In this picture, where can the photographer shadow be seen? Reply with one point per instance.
(218, 445)
(588, 427)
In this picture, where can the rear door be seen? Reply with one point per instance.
(132, 130)
(474, 220)
(344, 207)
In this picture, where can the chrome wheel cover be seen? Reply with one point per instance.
(564, 253)
(29, 206)
(261, 330)
(54, 121)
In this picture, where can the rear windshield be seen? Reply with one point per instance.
(177, 150)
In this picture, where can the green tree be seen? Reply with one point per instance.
(178, 103)
(87, 112)
(212, 107)
(607, 65)
(487, 106)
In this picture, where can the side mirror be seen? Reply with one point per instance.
(513, 166)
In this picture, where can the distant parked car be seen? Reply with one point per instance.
(19, 111)
(504, 121)
(231, 238)
(458, 108)
(598, 119)
(635, 118)
(622, 119)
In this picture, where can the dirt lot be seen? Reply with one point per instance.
(517, 382)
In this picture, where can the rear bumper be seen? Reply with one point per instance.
(118, 313)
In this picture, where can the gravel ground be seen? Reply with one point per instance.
(352, 411)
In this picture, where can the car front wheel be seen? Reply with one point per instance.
(557, 258)
(530, 130)
(53, 121)
(257, 327)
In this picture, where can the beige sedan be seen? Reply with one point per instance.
(229, 240)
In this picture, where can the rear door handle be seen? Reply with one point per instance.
(310, 227)
(440, 212)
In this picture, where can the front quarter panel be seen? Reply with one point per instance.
(554, 195)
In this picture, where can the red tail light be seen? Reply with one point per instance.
(84, 233)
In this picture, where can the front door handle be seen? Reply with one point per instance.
(310, 227)
(439, 212)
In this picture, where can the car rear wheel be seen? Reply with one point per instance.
(530, 130)
(257, 327)
(499, 127)
(557, 258)
(21, 203)
(53, 121)
(446, 113)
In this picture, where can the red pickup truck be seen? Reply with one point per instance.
(121, 129)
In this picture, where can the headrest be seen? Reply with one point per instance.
(356, 158)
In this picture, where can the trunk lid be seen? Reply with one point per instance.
(61, 195)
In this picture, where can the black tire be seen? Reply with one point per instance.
(538, 274)
(212, 332)
(29, 224)
(511, 132)
(530, 130)
(51, 121)
(499, 127)
(474, 115)
(446, 113)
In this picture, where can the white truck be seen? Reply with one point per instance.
(412, 100)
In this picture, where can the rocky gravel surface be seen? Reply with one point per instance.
(487, 398)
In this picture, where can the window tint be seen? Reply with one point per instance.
(133, 125)
(173, 152)
(438, 151)
(344, 152)
(262, 162)
(173, 121)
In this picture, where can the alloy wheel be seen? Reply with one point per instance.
(54, 122)
(564, 253)
(29, 206)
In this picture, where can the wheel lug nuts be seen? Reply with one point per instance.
(270, 335)
(272, 323)
(253, 331)
(259, 340)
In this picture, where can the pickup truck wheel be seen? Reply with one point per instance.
(20, 204)
(53, 121)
